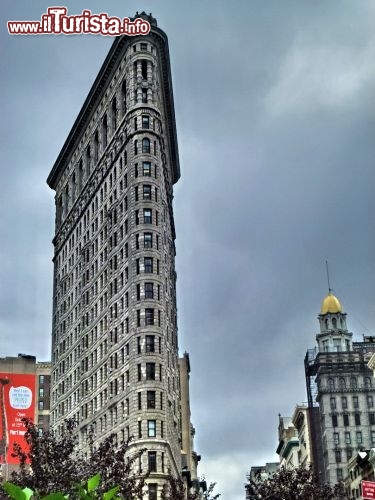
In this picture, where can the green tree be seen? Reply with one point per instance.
(293, 484)
(175, 490)
(54, 464)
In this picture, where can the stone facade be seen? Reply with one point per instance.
(114, 339)
(341, 394)
(300, 422)
(288, 443)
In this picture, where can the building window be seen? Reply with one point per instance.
(147, 240)
(139, 369)
(41, 392)
(105, 132)
(346, 420)
(41, 379)
(41, 405)
(152, 461)
(145, 121)
(334, 420)
(344, 403)
(358, 437)
(114, 115)
(145, 145)
(331, 384)
(148, 265)
(150, 371)
(357, 419)
(371, 418)
(151, 400)
(342, 383)
(146, 192)
(123, 96)
(149, 316)
(152, 492)
(149, 290)
(355, 402)
(139, 428)
(367, 382)
(347, 438)
(147, 169)
(135, 147)
(353, 383)
(139, 401)
(372, 437)
(147, 216)
(333, 403)
(349, 454)
(340, 476)
(338, 456)
(336, 438)
(138, 317)
(151, 428)
(96, 146)
(144, 96)
(150, 343)
(370, 401)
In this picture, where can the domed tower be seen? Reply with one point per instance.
(334, 335)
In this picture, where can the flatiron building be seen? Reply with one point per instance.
(114, 337)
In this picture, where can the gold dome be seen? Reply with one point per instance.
(331, 304)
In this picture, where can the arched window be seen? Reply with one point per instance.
(367, 382)
(145, 145)
(331, 383)
(342, 383)
(334, 322)
(353, 383)
(326, 324)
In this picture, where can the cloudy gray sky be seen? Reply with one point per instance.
(275, 115)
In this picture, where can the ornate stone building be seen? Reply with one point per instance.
(341, 394)
(114, 339)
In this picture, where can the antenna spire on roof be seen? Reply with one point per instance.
(329, 284)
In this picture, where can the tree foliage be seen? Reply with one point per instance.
(174, 490)
(54, 467)
(54, 464)
(292, 484)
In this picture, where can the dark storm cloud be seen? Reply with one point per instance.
(275, 118)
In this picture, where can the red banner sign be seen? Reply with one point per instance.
(17, 401)
(368, 490)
